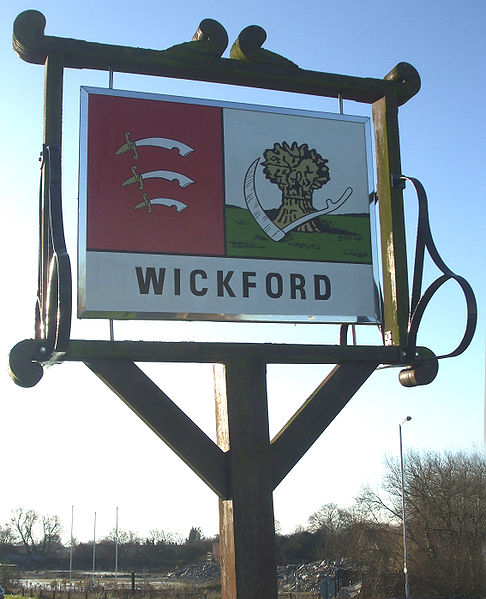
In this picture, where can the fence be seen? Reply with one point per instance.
(48, 593)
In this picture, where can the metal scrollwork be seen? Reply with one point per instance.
(54, 302)
(53, 306)
(419, 302)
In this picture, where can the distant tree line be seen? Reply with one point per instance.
(446, 525)
(31, 540)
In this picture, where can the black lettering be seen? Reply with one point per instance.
(177, 281)
(150, 278)
(268, 284)
(247, 283)
(223, 283)
(320, 294)
(192, 282)
(297, 283)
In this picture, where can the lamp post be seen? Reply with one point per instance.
(71, 547)
(94, 549)
(404, 514)
(116, 549)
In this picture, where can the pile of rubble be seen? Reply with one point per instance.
(307, 577)
(198, 572)
(340, 576)
(293, 577)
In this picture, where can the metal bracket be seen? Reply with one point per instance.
(419, 302)
(54, 303)
(397, 182)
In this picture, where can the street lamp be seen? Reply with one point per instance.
(405, 555)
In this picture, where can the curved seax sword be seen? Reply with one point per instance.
(169, 202)
(268, 226)
(157, 142)
(137, 177)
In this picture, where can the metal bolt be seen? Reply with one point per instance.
(43, 349)
(397, 182)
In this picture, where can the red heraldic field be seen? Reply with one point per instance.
(113, 221)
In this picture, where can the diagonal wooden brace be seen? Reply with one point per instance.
(165, 419)
(315, 415)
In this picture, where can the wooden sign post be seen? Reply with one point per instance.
(245, 465)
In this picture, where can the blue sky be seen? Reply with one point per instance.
(70, 441)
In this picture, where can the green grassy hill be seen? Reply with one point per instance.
(343, 238)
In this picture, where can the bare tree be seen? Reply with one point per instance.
(446, 520)
(23, 522)
(52, 530)
(124, 537)
(327, 516)
(161, 537)
(7, 535)
(364, 540)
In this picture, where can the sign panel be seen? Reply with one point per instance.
(193, 209)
